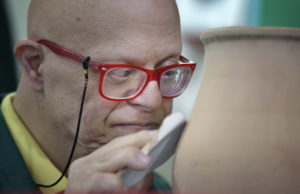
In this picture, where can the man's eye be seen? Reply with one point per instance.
(170, 73)
(121, 73)
(118, 76)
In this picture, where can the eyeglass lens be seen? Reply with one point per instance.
(174, 81)
(122, 83)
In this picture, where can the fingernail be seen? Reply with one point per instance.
(144, 158)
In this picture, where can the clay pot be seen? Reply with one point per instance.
(244, 132)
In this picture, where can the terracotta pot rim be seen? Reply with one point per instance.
(238, 32)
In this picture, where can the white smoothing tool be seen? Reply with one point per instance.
(160, 148)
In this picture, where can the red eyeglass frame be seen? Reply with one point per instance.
(103, 68)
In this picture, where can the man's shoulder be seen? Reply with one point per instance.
(14, 175)
(2, 95)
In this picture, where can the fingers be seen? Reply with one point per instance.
(95, 183)
(149, 145)
(129, 157)
(129, 154)
(98, 171)
(115, 160)
(138, 139)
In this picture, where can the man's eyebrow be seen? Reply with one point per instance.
(134, 60)
(172, 57)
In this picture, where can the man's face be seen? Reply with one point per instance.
(137, 33)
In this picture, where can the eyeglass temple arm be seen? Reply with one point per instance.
(184, 59)
(77, 57)
(64, 52)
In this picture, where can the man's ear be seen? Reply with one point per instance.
(30, 56)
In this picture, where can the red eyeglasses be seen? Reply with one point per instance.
(123, 82)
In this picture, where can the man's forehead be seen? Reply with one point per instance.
(60, 20)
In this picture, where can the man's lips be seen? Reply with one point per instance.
(136, 126)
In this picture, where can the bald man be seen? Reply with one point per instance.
(38, 122)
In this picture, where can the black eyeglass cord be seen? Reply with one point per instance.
(85, 63)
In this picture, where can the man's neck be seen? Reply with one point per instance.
(30, 111)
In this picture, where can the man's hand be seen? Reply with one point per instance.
(98, 171)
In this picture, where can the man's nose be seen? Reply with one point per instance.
(150, 98)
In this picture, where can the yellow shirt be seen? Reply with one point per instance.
(42, 170)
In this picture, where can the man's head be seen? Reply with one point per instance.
(142, 33)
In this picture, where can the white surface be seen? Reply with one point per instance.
(164, 148)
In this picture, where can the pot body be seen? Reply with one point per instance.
(244, 132)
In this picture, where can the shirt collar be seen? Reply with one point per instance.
(42, 170)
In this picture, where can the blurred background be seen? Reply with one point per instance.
(196, 16)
